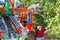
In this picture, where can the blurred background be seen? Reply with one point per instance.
(48, 15)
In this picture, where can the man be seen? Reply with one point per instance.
(40, 33)
(34, 7)
(17, 4)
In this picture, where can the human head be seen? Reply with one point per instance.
(38, 5)
(39, 27)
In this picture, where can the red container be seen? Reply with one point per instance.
(29, 27)
(0, 34)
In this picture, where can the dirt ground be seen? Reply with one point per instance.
(52, 39)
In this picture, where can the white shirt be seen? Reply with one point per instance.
(33, 7)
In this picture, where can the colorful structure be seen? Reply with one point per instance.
(10, 25)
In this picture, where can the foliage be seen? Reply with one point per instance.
(48, 15)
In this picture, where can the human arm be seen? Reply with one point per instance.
(45, 30)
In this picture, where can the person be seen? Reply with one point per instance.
(40, 33)
(34, 7)
(17, 4)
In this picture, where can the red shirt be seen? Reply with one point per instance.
(40, 33)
